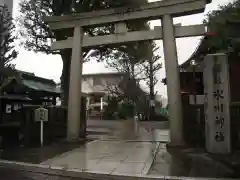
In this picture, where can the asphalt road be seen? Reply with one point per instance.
(7, 173)
(26, 172)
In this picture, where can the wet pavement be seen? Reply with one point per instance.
(109, 157)
(37, 155)
(191, 163)
(126, 150)
(116, 152)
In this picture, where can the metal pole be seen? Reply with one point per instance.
(194, 79)
(41, 132)
(101, 108)
(198, 110)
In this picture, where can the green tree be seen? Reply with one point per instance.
(7, 49)
(133, 95)
(143, 65)
(224, 26)
(37, 36)
(132, 63)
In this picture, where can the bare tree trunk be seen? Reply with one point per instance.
(132, 71)
(151, 89)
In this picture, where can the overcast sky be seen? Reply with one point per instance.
(49, 66)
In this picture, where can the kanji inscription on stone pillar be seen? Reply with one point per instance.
(217, 103)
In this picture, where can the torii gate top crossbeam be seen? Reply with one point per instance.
(148, 11)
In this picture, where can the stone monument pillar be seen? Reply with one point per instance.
(217, 103)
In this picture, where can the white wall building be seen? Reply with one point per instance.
(100, 83)
(97, 86)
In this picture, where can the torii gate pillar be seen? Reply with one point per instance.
(75, 86)
(173, 81)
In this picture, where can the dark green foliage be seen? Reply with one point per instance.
(129, 93)
(110, 112)
(37, 36)
(225, 25)
(137, 68)
(126, 110)
(34, 33)
(128, 90)
(7, 49)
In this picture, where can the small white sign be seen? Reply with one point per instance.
(152, 103)
(41, 114)
(16, 107)
(101, 103)
(8, 108)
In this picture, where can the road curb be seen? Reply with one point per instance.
(76, 173)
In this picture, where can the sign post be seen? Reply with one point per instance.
(41, 132)
(41, 115)
(217, 104)
(101, 108)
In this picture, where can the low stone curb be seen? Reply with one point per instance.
(148, 167)
(76, 173)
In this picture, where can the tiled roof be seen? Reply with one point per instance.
(35, 83)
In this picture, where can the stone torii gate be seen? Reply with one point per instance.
(165, 10)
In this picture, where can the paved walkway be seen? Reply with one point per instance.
(121, 158)
(145, 132)
(109, 157)
(125, 151)
(191, 163)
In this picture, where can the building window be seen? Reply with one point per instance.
(97, 99)
(97, 81)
